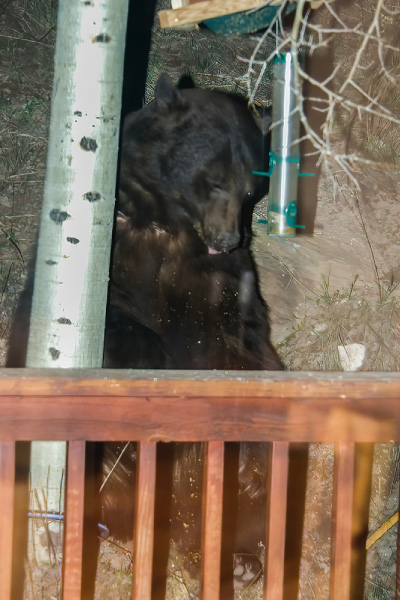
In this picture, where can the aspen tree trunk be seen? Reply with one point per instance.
(71, 276)
(72, 266)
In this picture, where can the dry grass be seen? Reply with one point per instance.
(26, 46)
(214, 61)
(335, 318)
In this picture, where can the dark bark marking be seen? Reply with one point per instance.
(55, 354)
(92, 196)
(88, 144)
(64, 321)
(102, 37)
(58, 216)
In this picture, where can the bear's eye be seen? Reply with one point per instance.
(215, 185)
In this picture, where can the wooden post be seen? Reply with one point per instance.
(398, 559)
(7, 483)
(343, 483)
(144, 521)
(212, 520)
(73, 535)
(276, 520)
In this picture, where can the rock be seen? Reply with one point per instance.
(351, 356)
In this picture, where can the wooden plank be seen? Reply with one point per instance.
(7, 480)
(180, 3)
(141, 405)
(212, 521)
(365, 411)
(151, 420)
(217, 418)
(342, 509)
(144, 522)
(73, 536)
(199, 11)
(276, 521)
(127, 382)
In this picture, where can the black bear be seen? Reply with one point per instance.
(183, 279)
(183, 288)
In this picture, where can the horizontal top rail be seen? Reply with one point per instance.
(147, 406)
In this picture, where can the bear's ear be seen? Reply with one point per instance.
(165, 93)
(264, 122)
(186, 83)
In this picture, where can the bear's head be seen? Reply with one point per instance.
(187, 161)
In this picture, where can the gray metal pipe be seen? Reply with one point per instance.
(284, 155)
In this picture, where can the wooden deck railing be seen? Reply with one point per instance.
(215, 407)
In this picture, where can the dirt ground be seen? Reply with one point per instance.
(333, 291)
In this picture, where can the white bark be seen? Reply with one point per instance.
(71, 276)
(69, 301)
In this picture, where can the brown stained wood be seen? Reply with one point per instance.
(398, 564)
(73, 536)
(126, 382)
(276, 521)
(343, 484)
(144, 522)
(199, 11)
(7, 479)
(212, 521)
(141, 405)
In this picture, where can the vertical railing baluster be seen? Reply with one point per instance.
(74, 510)
(343, 485)
(144, 521)
(276, 520)
(398, 558)
(7, 483)
(212, 520)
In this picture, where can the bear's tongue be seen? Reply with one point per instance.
(212, 250)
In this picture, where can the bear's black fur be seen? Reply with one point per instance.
(183, 278)
(183, 289)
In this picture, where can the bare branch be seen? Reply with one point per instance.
(349, 90)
